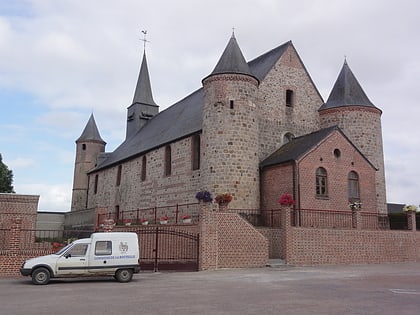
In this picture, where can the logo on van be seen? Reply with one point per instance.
(123, 247)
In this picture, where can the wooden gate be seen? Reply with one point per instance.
(168, 248)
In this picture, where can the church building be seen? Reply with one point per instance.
(254, 129)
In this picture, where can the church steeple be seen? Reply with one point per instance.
(347, 91)
(143, 107)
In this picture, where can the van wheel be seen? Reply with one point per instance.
(41, 276)
(124, 275)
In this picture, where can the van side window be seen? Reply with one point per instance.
(103, 248)
(78, 250)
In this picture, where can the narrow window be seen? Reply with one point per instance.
(119, 175)
(168, 160)
(321, 182)
(143, 168)
(353, 186)
(231, 104)
(83, 146)
(196, 152)
(95, 187)
(103, 248)
(289, 98)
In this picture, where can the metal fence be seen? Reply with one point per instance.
(174, 214)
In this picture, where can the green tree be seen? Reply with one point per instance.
(6, 178)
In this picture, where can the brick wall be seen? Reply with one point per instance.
(24, 206)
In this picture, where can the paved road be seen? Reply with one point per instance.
(357, 289)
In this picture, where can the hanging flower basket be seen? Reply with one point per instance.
(287, 200)
(204, 196)
(164, 219)
(144, 221)
(223, 199)
(186, 218)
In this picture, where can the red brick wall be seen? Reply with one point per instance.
(330, 246)
(24, 206)
(275, 181)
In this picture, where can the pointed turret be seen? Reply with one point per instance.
(88, 147)
(347, 91)
(91, 132)
(232, 61)
(143, 107)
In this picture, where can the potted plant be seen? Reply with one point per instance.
(223, 199)
(204, 196)
(186, 218)
(287, 200)
(164, 219)
(144, 221)
(408, 208)
(127, 222)
(355, 205)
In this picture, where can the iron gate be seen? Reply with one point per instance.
(167, 248)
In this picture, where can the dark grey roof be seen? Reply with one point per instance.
(91, 132)
(232, 60)
(143, 92)
(296, 148)
(181, 119)
(395, 207)
(346, 91)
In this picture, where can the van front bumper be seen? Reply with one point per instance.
(25, 271)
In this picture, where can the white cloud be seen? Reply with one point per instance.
(52, 197)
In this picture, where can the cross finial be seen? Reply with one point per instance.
(144, 40)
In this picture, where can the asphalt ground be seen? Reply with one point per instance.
(354, 289)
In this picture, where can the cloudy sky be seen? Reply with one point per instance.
(61, 60)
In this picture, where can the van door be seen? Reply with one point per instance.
(74, 261)
(103, 257)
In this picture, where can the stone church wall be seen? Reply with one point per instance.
(157, 189)
(275, 118)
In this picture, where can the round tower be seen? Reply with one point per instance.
(349, 108)
(230, 130)
(88, 147)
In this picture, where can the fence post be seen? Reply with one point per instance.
(356, 219)
(14, 240)
(209, 249)
(286, 233)
(411, 221)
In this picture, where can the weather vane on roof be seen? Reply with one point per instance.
(144, 40)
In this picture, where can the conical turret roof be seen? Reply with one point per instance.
(143, 92)
(347, 91)
(91, 132)
(232, 61)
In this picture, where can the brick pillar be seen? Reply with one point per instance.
(14, 240)
(356, 219)
(209, 251)
(286, 233)
(411, 221)
(100, 216)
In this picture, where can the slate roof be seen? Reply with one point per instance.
(299, 146)
(143, 93)
(185, 117)
(91, 132)
(296, 148)
(232, 60)
(346, 91)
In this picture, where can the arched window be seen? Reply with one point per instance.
(168, 160)
(143, 168)
(288, 137)
(321, 182)
(353, 186)
(195, 154)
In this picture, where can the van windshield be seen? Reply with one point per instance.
(61, 251)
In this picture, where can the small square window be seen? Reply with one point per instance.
(103, 248)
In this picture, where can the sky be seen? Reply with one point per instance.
(61, 60)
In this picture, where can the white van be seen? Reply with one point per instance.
(112, 253)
